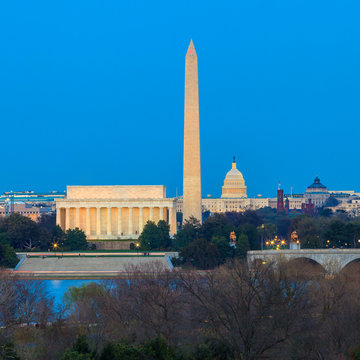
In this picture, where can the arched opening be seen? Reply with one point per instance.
(352, 270)
(305, 268)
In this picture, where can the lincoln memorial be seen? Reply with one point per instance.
(114, 212)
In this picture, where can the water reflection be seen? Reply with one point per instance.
(57, 288)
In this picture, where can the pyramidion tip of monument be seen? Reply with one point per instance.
(191, 48)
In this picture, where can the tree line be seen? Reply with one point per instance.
(235, 312)
(203, 246)
(206, 245)
(20, 233)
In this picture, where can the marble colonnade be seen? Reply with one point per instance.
(111, 220)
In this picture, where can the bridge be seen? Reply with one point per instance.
(332, 260)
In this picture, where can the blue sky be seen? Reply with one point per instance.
(92, 92)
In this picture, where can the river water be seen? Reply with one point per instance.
(57, 288)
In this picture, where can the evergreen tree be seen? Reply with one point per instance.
(187, 234)
(8, 256)
(80, 350)
(164, 241)
(148, 237)
(75, 239)
(24, 233)
(222, 244)
(58, 235)
(201, 254)
(242, 246)
(155, 237)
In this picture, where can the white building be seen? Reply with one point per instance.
(317, 193)
(114, 212)
(233, 197)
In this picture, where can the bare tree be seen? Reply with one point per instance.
(157, 302)
(253, 311)
(8, 300)
(33, 302)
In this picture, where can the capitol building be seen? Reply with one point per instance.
(234, 184)
(233, 196)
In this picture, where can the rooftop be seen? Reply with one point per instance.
(317, 184)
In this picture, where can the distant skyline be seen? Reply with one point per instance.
(92, 93)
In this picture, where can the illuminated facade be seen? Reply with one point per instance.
(114, 212)
(234, 184)
(220, 205)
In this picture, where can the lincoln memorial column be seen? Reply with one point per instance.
(119, 221)
(151, 218)
(58, 216)
(161, 213)
(98, 223)
(67, 218)
(171, 220)
(130, 221)
(108, 223)
(141, 221)
(88, 229)
(77, 217)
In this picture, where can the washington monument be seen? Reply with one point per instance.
(192, 172)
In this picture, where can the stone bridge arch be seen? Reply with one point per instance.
(350, 262)
(332, 260)
(304, 261)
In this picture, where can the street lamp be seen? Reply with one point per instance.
(137, 248)
(55, 246)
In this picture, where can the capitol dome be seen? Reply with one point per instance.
(234, 184)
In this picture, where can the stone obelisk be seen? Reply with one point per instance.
(192, 172)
